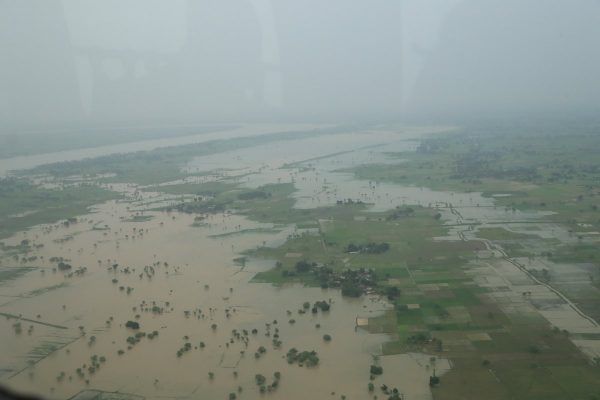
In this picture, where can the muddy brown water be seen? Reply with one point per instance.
(200, 275)
(197, 258)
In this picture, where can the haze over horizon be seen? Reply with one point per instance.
(75, 63)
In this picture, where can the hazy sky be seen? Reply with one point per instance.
(136, 62)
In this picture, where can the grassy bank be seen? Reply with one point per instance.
(23, 205)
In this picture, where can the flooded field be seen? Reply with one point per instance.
(261, 200)
(135, 299)
(180, 280)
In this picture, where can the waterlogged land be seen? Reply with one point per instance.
(40, 142)
(344, 262)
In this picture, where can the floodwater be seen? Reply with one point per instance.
(200, 294)
(316, 165)
(151, 368)
(201, 277)
(245, 130)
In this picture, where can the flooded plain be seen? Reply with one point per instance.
(209, 330)
(245, 130)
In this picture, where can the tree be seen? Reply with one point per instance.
(351, 289)
(352, 248)
(260, 379)
(376, 370)
(132, 325)
(392, 292)
(323, 305)
(62, 266)
(303, 266)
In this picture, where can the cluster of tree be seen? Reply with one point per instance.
(186, 347)
(419, 338)
(303, 266)
(198, 207)
(132, 325)
(95, 362)
(131, 340)
(27, 259)
(260, 351)
(308, 358)
(320, 305)
(353, 282)
(393, 394)
(122, 288)
(368, 248)
(63, 266)
(261, 382)
(400, 212)
(77, 272)
(351, 289)
(376, 370)
(392, 292)
(349, 202)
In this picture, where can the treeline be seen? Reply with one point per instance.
(368, 248)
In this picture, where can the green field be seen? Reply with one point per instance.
(440, 310)
(554, 170)
(23, 205)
